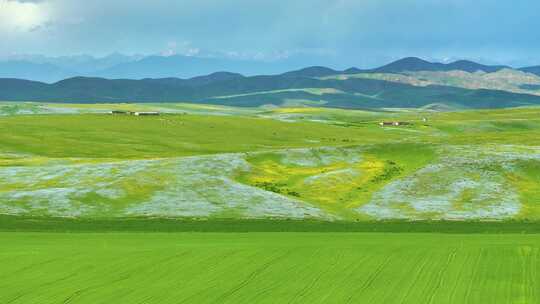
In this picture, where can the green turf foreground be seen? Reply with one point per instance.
(268, 268)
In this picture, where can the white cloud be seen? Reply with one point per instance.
(184, 48)
(22, 16)
(363, 33)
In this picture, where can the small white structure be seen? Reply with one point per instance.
(145, 113)
(118, 112)
(394, 123)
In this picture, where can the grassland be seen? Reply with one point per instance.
(213, 204)
(199, 161)
(268, 268)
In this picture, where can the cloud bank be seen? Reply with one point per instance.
(341, 32)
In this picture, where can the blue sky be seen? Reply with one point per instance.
(338, 33)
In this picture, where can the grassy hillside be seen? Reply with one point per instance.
(406, 83)
(503, 80)
(341, 91)
(125, 137)
(286, 163)
(220, 204)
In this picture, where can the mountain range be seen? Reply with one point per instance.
(409, 82)
(119, 66)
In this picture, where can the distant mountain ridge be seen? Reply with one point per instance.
(410, 64)
(314, 71)
(118, 66)
(34, 71)
(409, 82)
(533, 70)
(52, 69)
(237, 90)
(414, 64)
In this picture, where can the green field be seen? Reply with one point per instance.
(269, 268)
(199, 161)
(214, 204)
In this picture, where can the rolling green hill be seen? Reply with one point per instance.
(204, 161)
(406, 83)
(352, 92)
(217, 204)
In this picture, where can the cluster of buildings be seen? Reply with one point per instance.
(394, 123)
(399, 123)
(120, 112)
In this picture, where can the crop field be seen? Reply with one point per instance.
(269, 268)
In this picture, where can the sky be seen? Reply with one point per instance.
(339, 33)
